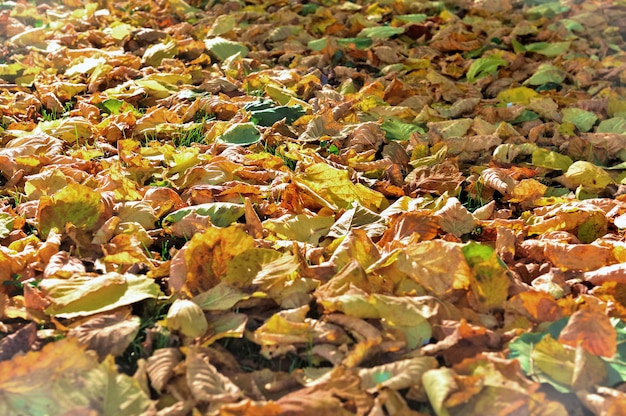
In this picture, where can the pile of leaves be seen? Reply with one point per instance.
(275, 207)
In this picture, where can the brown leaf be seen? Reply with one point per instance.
(161, 366)
(593, 330)
(454, 218)
(18, 342)
(499, 180)
(107, 334)
(206, 383)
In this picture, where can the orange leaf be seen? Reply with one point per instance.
(593, 330)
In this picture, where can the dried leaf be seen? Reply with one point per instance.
(206, 383)
(107, 334)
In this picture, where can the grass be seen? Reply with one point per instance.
(51, 115)
(275, 151)
(150, 312)
(249, 357)
(187, 137)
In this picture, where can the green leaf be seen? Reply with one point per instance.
(526, 115)
(397, 130)
(612, 125)
(380, 32)
(242, 134)
(258, 105)
(84, 295)
(551, 160)
(115, 107)
(119, 30)
(482, 67)
(223, 48)
(548, 49)
(546, 73)
(521, 348)
(221, 214)
(268, 116)
(317, 44)
(582, 119)
(439, 384)
(412, 18)
(547, 9)
(359, 43)
(223, 24)
(572, 25)
(490, 282)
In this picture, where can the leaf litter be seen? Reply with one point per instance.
(248, 207)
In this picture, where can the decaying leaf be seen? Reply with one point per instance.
(350, 207)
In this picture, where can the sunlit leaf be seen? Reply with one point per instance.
(207, 255)
(358, 246)
(6, 224)
(335, 186)
(521, 95)
(241, 134)
(161, 366)
(221, 214)
(222, 48)
(187, 317)
(455, 218)
(490, 280)
(76, 204)
(300, 227)
(593, 331)
(437, 265)
(586, 175)
(86, 294)
(222, 296)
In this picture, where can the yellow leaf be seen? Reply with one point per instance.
(207, 255)
(586, 175)
(518, 95)
(527, 190)
(76, 204)
(188, 318)
(306, 228)
(439, 266)
(335, 186)
(356, 245)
